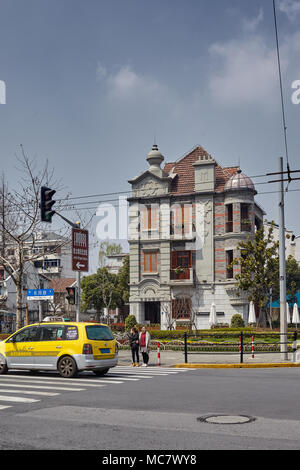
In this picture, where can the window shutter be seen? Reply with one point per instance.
(155, 218)
(144, 218)
(190, 259)
(174, 260)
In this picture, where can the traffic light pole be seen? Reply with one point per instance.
(78, 273)
(78, 280)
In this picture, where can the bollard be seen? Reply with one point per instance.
(252, 347)
(241, 348)
(185, 348)
(158, 354)
(295, 347)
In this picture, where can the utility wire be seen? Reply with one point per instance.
(115, 193)
(281, 94)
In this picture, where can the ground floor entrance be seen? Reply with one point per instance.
(152, 312)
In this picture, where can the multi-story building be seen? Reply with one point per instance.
(49, 258)
(115, 262)
(53, 255)
(185, 222)
(292, 242)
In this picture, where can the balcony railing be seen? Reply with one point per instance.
(187, 229)
(184, 276)
(246, 226)
(181, 273)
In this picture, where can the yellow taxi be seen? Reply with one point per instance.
(66, 347)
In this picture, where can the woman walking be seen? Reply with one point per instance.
(134, 345)
(145, 339)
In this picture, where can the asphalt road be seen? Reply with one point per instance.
(157, 412)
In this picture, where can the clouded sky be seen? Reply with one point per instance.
(90, 83)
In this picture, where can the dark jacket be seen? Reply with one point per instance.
(134, 340)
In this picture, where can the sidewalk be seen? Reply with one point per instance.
(198, 360)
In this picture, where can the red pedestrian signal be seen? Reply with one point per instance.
(71, 297)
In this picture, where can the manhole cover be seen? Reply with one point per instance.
(226, 419)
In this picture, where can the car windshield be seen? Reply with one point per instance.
(98, 332)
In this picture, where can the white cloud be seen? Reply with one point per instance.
(244, 72)
(101, 72)
(251, 25)
(126, 83)
(130, 91)
(290, 7)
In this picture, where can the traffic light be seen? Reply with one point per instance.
(71, 297)
(46, 204)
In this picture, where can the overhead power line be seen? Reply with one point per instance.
(281, 93)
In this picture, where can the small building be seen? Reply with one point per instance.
(292, 241)
(185, 222)
(59, 305)
(115, 262)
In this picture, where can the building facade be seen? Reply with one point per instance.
(115, 262)
(49, 259)
(185, 222)
(52, 255)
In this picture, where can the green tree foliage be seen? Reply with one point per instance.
(237, 321)
(258, 259)
(100, 290)
(123, 280)
(106, 249)
(105, 289)
(130, 322)
(292, 279)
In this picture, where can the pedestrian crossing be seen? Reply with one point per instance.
(21, 388)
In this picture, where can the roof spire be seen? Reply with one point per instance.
(155, 158)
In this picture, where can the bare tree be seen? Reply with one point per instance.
(20, 222)
(181, 308)
(170, 322)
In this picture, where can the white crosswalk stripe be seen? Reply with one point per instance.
(31, 392)
(14, 386)
(3, 407)
(68, 389)
(18, 399)
(52, 380)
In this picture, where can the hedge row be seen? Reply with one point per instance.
(206, 334)
(210, 349)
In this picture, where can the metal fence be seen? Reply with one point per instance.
(241, 343)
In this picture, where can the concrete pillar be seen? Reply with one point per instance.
(137, 309)
(165, 315)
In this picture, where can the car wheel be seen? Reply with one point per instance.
(101, 372)
(67, 367)
(3, 365)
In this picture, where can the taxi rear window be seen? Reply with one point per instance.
(98, 333)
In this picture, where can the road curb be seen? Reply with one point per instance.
(235, 366)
